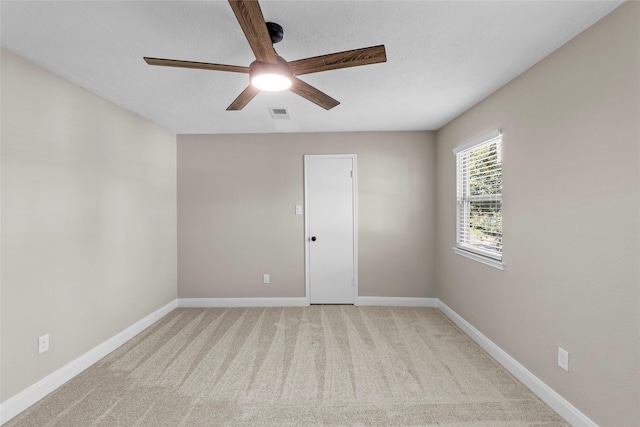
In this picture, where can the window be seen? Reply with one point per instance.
(479, 199)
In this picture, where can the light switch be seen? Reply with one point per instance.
(298, 210)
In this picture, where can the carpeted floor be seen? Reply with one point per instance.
(318, 365)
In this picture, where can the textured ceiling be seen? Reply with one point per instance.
(442, 56)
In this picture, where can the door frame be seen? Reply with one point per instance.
(307, 237)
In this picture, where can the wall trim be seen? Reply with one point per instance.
(242, 302)
(301, 302)
(32, 394)
(398, 301)
(559, 404)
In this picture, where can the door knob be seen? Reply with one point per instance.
(313, 239)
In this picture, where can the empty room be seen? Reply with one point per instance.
(385, 213)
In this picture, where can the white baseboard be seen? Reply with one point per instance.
(301, 302)
(398, 302)
(242, 302)
(559, 404)
(21, 401)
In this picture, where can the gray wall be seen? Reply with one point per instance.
(88, 221)
(571, 220)
(236, 221)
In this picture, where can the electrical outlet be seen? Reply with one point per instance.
(563, 359)
(43, 343)
(265, 278)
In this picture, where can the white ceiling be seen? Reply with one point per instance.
(442, 56)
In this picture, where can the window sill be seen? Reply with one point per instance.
(483, 259)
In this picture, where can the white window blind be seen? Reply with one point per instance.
(479, 196)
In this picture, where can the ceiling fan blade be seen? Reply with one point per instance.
(335, 61)
(243, 99)
(249, 16)
(312, 94)
(198, 65)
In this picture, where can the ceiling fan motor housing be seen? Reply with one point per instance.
(282, 68)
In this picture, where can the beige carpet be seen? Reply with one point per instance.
(318, 365)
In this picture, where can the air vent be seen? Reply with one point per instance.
(279, 113)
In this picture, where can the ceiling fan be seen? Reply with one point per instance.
(270, 72)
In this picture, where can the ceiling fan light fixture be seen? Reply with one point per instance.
(270, 77)
(271, 82)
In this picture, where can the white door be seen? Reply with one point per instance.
(330, 190)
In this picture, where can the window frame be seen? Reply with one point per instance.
(491, 258)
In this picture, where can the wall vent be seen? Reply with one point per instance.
(279, 113)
